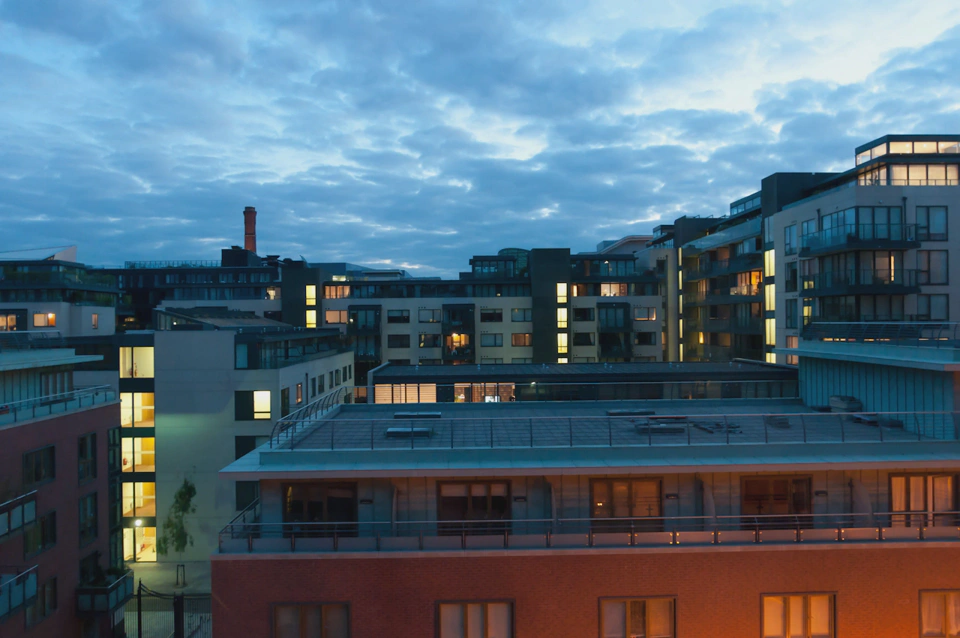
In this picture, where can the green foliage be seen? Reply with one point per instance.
(174, 534)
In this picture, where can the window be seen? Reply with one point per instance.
(791, 305)
(923, 499)
(491, 340)
(398, 316)
(769, 263)
(940, 614)
(770, 297)
(349, 373)
(88, 518)
(520, 339)
(790, 240)
(770, 331)
(631, 618)
(40, 536)
(561, 317)
(798, 616)
(932, 223)
(429, 315)
(87, 457)
(641, 313)
(95, 321)
(489, 360)
(336, 292)
(311, 319)
(299, 393)
(44, 604)
(246, 492)
(251, 405)
(243, 445)
(44, 320)
(792, 281)
(521, 314)
(334, 316)
(932, 267)
(136, 363)
(932, 308)
(583, 339)
(613, 290)
(561, 293)
(792, 359)
(311, 621)
(562, 338)
(398, 341)
(476, 620)
(311, 295)
(313, 387)
(136, 409)
(775, 495)
(645, 339)
(138, 454)
(429, 341)
(491, 315)
(39, 466)
(139, 499)
(583, 314)
(625, 498)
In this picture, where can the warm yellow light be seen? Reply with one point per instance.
(138, 522)
(49, 315)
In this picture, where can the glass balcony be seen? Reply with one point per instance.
(743, 263)
(107, 596)
(17, 588)
(859, 237)
(19, 411)
(17, 513)
(870, 281)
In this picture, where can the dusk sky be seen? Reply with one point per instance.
(416, 134)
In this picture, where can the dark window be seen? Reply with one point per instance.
(247, 492)
(429, 341)
(521, 339)
(623, 618)
(350, 371)
(285, 401)
(776, 495)
(583, 339)
(792, 281)
(430, 315)
(89, 568)
(337, 376)
(44, 604)
(313, 387)
(41, 535)
(932, 267)
(398, 316)
(790, 239)
(243, 445)
(583, 314)
(114, 451)
(88, 518)
(491, 315)
(932, 223)
(463, 503)
(299, 621)
(39, 466)
(491, 340)
(87, 457)
(521, 314)
(792, 313)
(611, 317)
(398, 341)
(626, 499)
(399, 362)
(466, 620)
(645, 339)
(321, 503)
(932, 308)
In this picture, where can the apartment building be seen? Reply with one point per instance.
(537, 306)
(763, 517)
(61, 573)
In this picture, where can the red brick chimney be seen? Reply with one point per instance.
(250, 228)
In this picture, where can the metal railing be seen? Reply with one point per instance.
(52, 404)
(17, 588)
(727, 295)
(12, 340)
(852, 233)
(82, 279)
(17, 513)
(105, 597)
(286, 428)
(741, 263)
(839, 280)
(899, 333)
(581, 533)
(895, 428)
(203, 263)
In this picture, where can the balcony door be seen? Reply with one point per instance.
(628, 503)
(768, 498)
(473, 507)
(923, 499)
(322, 508)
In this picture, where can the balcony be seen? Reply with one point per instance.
(17, 588)
(937, 335)
(859, 237)
(743, 263)
(389, 538)
(363, 328)
(749, 325)
(862, 282)
(79, 280)
(54, 404)
(17, 513)
(458, 353)
(106, 597)
(722, 296)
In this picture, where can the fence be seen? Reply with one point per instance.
(151, 614)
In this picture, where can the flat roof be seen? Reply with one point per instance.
(578, 372)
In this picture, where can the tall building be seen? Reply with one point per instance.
(61, 572)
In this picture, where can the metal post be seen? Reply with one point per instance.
(140, 608)
(803, 426)
(843, 434)
(570, 424)
(726, 428)
(178, 629)
(531, 432)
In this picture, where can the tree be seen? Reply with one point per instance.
(174, 534)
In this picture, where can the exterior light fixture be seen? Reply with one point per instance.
(138, 523)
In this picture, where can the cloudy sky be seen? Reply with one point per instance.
(416, 134)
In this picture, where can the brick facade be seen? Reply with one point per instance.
(556, 593)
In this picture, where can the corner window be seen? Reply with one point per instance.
(136, 363)
(799, 616)
(628, 618)
(251, 405)
(139, 499)
(940, 614)
(476, 620)
(314, 621)
(311, 294)
(136, 409)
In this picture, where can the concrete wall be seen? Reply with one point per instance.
(72, 320)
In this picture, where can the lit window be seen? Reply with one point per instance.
(771, 357)
(561, 293)
(940, 614)
(644, 314)
(44, 320)
(561, 317)
(466, 620)
(562, 342)
(334, 316)
(136, 363)
(312, 318)
(261, 404)
(804, 616)
(311, 295)
(95, 321)
(561, 359)
(770, 331)
(629, 618)
(770, 297)
(769, 263)
(299, 393)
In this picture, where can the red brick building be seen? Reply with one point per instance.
(59, 459)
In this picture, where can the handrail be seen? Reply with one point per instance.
(18, 590)
(13, 412)
(289, 425)
(18, 512)
(921, 334)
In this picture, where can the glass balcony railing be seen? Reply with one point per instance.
(107, 596)
(917, 334)
(41, 279)
(17, 588)
(50, 405)
(852, 234)
(847, 281)
(17, 513)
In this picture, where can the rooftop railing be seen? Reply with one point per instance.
(17, 513)
(17, 588)
(582, 533)
(201, 263)
(917, 334)
(27, 339)
(53, 404)
(649, 430)
(287, 428)
(79, 279)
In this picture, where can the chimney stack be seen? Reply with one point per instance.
(250, 229)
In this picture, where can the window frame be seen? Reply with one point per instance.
(511, 602)
(53, 466)
(393, 338)
(87, 467)
(84, 530)
(300, 604)
(832, 595)
(496, 337)
(526, 315)
(944, 593)
(398, 316)
(527, 341)
(628, 599)
(924, 234)
(37, 527)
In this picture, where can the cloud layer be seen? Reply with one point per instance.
(417, 134)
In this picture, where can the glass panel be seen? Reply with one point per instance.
(637, 621)
(475, 621)
(287, 621)
(451, 621)
(953, 613)
(143, 363)
(499, 623)
(336, 623)
(820, 616)
(796, 617)
(660, 614)
(932, 614)
(899, 174)
(614, 619)
(901, 147)
(310, 618)
(646, 498)
(621, 499)
(918, 174)
(773, 621)
(949, 147)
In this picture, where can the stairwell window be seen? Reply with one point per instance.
(311, 621)
(798, 616)
(629, 618)
(476, 620)
(311, 295)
